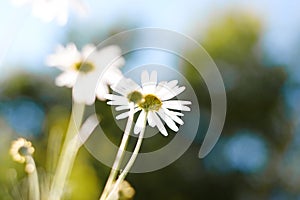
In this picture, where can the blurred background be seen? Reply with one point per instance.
(256, 46)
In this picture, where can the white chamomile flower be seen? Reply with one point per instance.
(88, 72)
(154, 100)
(49, 10)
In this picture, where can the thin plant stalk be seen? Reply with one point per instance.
(68, 153)
(120, 154)
(33, 181)
(131, 160)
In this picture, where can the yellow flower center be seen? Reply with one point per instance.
(135, 97)
(84, 67)
(150, 102)
(147, 102)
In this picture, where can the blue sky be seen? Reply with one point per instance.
(25, 40)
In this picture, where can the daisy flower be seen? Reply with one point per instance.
(154, 100)
(88, 72)
(49, 10)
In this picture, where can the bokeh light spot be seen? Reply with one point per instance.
(246, 152)
(24, 116)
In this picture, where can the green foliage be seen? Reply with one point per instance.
(255, 100)
(235, 38)
(84, 183)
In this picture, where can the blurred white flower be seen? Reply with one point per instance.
(152, 99)
(21, 148)
(89, 72)
(125, 191)
(49, 10)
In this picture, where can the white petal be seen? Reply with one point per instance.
(169, 112)
(126, 114)
(67, 79)
(172, 83)
(149, 88)
(137, 109)
(149, 83)
(172, 93)
(153, 77)
(84, 90)
(144, 78)
(122, 115)
(132, 86)
(87, 50)
(113, 76)
(171, 124)
(140, 122)
(125, 86)
(118, 62)
(64, 57)
(177, 119)
(177, 105)
(159, 124)
(111, 96)
(162, 89)
(101, 91)
(120, 102)
(125, 107)
(166, 86)
(161, 84)
(174, 116)
(107, 57)
(114, 97)
(168, 90)
(150, 119)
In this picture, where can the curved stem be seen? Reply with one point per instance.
(34, 190)
(131, 160)
(119, 157)
(68, 153)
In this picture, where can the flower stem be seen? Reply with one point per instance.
(33, 181)
(131, 160)
(115, 168)
(68, 153)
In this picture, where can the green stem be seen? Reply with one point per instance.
(33, 181)
(119, 157)
(131, 160)
(68, 153)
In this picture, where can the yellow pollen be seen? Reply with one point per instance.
(135, 97)
(84, 67)
(150, 102)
